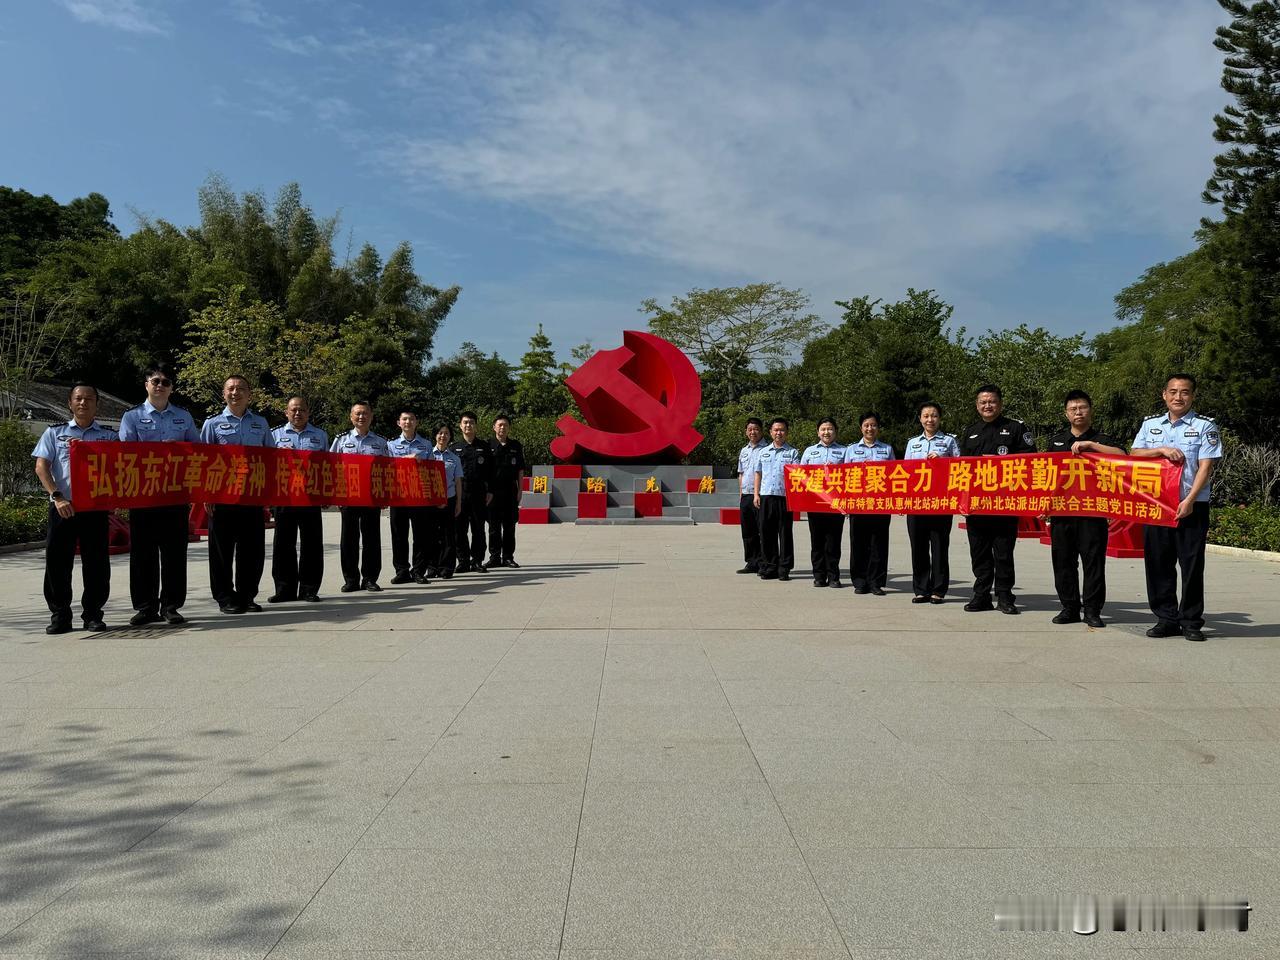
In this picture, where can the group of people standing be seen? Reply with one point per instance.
(1179, 435)
(484, 481)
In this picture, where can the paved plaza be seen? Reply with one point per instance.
(623, 750)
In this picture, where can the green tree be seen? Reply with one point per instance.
(1034, 370)
(730, 330)
(539, 390)
(280, 357)
(1242, 356)
(468, 380)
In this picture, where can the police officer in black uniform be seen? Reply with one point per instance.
(508, 479)
(1083, 537)
(992, 539)
(477, 480)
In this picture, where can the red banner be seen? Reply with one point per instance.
(107, 475)
(1025, 484)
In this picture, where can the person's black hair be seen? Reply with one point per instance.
(988, 388)
(468, 413)
(830, 420)
(1181, 376)
(756, 420)
(781, 420)
(1078, 395)
(435, 430)
(87, 386)
(929, 403)
(297, 396)
(869, 415)
(502, 416)
(409, 412)
(163, 371)
(363, 403)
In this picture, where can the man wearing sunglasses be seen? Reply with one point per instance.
(158, 535)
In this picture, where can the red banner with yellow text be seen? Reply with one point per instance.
(1027, 484)
(107, 475)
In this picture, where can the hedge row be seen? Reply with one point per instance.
(1253, 528)
(22, 519)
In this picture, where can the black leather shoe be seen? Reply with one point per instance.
(835, 583)
(173, 618)
(479, 568)
(877, 591)
(446, 574)
(494, 562)
(58, 626)
(281, 598)
(1164, 629)
(349, 587)
(230, 608)
(769, 575)
(372, 586)
(937, 600)
(749, 569)
(422, 579)
(1066, 616)
(861, 590)
(95, 626)
(401, 578)
(919, 599)
(252, 607)
(143, 617)
(511, 563)
(1006, 606)
(1094, 620)
(784, 575)
(819, 583)
(978, 604)
(1193, 633)
(310, 597)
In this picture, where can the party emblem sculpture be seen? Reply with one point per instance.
(639, 401)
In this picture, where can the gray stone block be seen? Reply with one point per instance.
(704, 514)
(535, 500)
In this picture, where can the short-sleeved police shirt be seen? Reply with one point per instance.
(823, 453)
(1196, 436)
(747, 457)
(54, 445)
(147, 424)
(309, 437)
(226, 428)
(867, 453)
(919, 448)
(772, 466)
(370, 445)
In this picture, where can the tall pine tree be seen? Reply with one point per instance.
(1242, 351)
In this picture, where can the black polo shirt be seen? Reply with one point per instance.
(508, 461)
(995, 439)
(477, 465)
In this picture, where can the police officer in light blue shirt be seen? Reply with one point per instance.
(69, 527)
(748, 518)
(930, 534)
(237, 535)
(769, 495)
(869, 532)
(158, 536)
(1182, 436)
(297, 551)
(442, 556)
(407, 443)
(825, 529)
(361, 525)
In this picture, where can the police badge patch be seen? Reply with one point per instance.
(1002, 450)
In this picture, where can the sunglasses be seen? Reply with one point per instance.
(160, 382)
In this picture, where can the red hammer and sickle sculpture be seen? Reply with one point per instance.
(639, 401)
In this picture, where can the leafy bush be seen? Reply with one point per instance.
(1253, 528)
(22, 519)
(16, 465)
(1248, 473)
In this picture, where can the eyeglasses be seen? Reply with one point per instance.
(160, 382)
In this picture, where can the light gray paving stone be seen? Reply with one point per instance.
(512, 759)
(673, 761)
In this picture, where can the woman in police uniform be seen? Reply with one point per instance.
(869, 532)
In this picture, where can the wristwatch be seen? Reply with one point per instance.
(56, 496)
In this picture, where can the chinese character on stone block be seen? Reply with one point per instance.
(539, 485)
(651, 485)
(707, 485)
(594, 485)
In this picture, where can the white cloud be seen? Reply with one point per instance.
(127, 15)
(797, 144)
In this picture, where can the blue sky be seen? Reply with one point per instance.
(563, 161)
